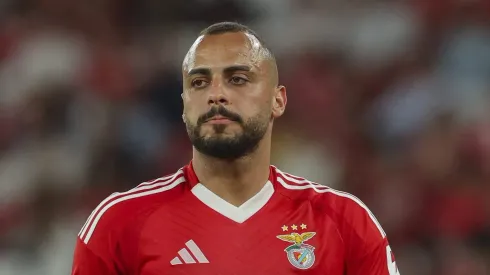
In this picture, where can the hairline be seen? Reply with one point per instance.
(231, 27)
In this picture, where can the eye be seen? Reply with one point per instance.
(236, 80)
(199, 83)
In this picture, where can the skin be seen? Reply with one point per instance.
(234, 71)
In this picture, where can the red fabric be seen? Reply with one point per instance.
(142, 231)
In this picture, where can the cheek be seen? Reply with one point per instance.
(265, 107)
(190, 108)
(255, 114)
(190, 117)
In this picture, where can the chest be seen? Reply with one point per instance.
(282, 241)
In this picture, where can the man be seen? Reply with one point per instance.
(229, 211)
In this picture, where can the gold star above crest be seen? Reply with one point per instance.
(294, 227)
(303, 226)
(284, 228)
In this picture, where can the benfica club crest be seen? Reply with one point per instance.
(299, 254)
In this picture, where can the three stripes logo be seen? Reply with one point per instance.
(190, 254)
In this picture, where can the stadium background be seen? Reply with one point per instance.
(388, 100)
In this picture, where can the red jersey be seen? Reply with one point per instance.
(175, 225)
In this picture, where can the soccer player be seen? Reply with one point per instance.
(229, 211)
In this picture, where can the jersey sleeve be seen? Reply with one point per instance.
(98, 243)
(379, 261)
(86, 262)
(366, 245)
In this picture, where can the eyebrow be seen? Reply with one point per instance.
(230, 69)
(204, 71)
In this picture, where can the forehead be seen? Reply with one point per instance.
(224, 50)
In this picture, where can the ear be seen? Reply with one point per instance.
(279, 102)
(183, 107)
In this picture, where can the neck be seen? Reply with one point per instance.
(235, 181)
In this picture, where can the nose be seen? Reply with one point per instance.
(217, 95)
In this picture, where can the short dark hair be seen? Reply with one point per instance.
(227, 27)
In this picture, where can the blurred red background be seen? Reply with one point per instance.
(388, 100)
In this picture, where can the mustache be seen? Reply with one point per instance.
(221, 111)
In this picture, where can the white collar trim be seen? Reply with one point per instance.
(237, 214)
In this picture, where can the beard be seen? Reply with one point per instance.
(227, 147)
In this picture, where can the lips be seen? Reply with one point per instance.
(218, 118)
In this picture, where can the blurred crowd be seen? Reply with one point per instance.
(388, 100)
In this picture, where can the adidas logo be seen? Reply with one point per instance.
(187, 255)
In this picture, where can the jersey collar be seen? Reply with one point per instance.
(192, 179)
(237, 214)
(190, 175)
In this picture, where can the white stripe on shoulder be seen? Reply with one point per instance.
(86, 221)
(132, 196)
(146, 185)
(159, 179)
(156, 186)
(324, 189)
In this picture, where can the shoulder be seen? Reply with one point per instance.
(350, 214)
(120, 208)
